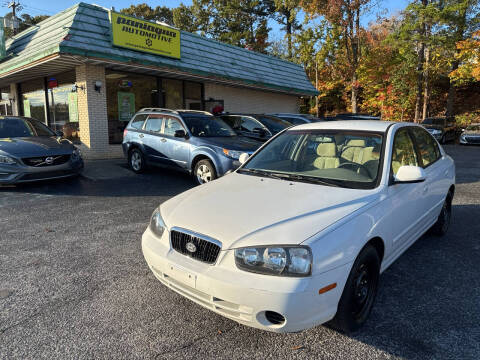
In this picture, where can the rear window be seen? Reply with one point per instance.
(137, 122)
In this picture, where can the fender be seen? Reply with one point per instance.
(204, 151)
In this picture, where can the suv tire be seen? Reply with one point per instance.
(136, 160)
(204, 172)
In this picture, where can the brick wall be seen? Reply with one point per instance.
(251, 101)
(92, 112)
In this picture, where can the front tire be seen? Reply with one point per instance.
(359, 292)
(442, 225)
(136, 160)
(204, 172)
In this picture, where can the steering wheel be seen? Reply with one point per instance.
(358, 167)
(201, 133)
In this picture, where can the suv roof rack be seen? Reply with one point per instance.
(194, 111)
(158, 109)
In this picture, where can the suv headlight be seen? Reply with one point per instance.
(156, 223)
(234, 154)
(7, 160)
(275, 260)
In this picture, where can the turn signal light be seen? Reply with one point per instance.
(125, 132)
(327, 288)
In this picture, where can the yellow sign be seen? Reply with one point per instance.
(141, 35)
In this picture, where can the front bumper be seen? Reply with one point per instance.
(19, 173)
(242, 296)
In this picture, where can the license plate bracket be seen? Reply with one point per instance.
(182, 275)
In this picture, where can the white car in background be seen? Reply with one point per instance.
(300, 233)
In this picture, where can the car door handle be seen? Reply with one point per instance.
(163, 140)
(446, 172)
(425, 189)
(140, 136)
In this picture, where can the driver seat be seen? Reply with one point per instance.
(327, 156)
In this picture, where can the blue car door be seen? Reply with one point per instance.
(153, 140)
(177, 149)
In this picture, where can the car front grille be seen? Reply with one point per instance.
(41, 161)
(194, 246)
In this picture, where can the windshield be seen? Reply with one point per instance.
(330, 157)
(208, 126)
(11, 128)
(273, 123)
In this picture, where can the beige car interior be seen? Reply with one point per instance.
(353, 151)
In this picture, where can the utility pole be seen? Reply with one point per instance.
(15, 5)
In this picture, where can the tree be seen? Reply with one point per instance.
(25, 22)
(345, 14)
(468, 57)
(237, 22)
(285, 13)
(144, 11)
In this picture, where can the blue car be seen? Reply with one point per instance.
(194, 141)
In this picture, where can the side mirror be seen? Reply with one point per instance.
(180, 134)
(409, 174)
(243, 158)
(59, 133)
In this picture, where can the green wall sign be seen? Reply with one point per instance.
(126, 105)
(72, 107)
(26, 108)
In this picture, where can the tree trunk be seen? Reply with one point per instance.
(354, 93)
(426, 93)
(289, 39)
(450, 111)
(420, 60)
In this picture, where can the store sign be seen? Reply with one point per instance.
(126, 105)
(141, 35)
(72, 107)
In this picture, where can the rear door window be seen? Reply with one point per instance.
(171, 125)
(137, 122)
(154, 123)
(427, 147)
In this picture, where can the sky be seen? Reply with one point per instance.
(35, 7)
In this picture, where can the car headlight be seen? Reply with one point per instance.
(7, 160)
(76, 154)
(435, 132)
(234, 154)
(156, 223)
(275, 260)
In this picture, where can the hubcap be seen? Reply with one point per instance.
(136, 161)
(204, 174)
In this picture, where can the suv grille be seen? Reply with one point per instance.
(205, 251)
(42, 160)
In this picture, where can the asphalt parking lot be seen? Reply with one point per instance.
(74, 285)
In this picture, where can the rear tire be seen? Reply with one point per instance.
(359, 292)
(136, 161)
(442, 225)
(204, 172)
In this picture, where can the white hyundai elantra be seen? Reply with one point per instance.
(300, 233)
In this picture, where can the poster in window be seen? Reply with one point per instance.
(126, 105)
(72, 107)
(26, 108)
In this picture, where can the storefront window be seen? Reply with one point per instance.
(5, 104)
(34, 105)
(126, 94)
(193, 95)
(173, 93)
(64, 111)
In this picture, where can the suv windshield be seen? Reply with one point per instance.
(11, 128)
(207, 126)
(274, 124)
(329, 157)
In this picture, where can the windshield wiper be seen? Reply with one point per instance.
(309, 179)
(261, 173)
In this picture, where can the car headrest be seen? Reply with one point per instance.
(356, 142)
(327, 149)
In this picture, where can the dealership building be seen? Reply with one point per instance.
(87, 70)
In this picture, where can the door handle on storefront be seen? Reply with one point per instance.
(163, 140)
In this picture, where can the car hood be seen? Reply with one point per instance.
(35, 146)
(232, 143)
(243, 210)
(471, 132)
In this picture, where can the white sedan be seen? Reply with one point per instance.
(300, 233)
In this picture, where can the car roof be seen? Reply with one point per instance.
(359, 125)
